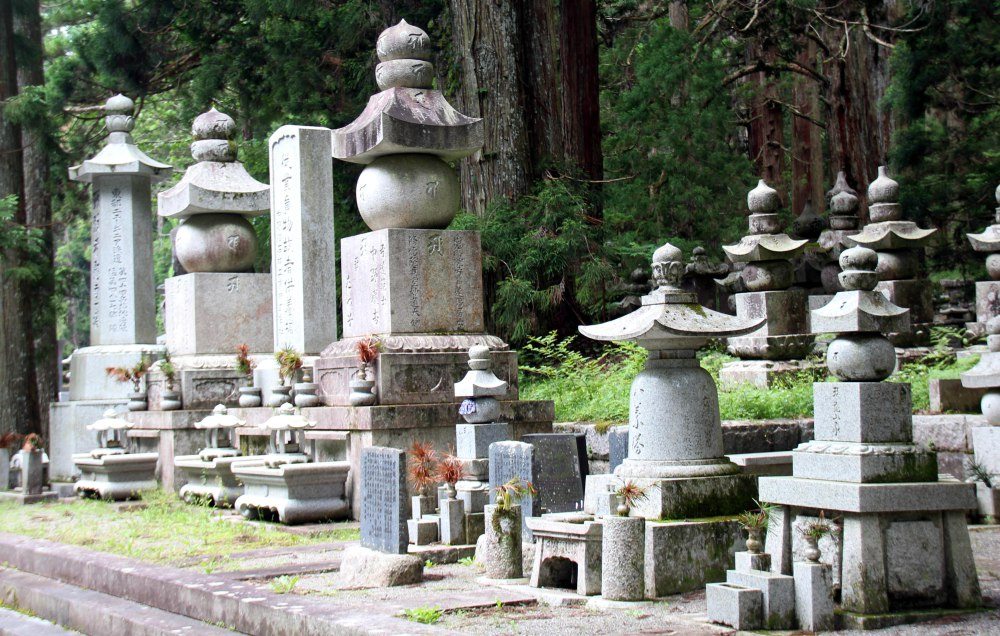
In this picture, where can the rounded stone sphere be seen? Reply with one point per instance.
(765, 224)
(859, 258)
(861, 358)
(897, 264)
(991, 407)
(993, 266)
(767, 275)
(216, 243)
(404, 74)
(408, 191)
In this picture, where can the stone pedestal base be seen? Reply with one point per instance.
(294, 493)
(763, 373)
(903, 546)
(18, 497)
(208, 313)
(784, 336)
(411, 369)
(116, 477)
(567, 555)
(211, 482)
(682, 556)
(203, 381)
(88, 379)
(696, 497)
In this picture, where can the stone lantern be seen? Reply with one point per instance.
(988, 292)
(209, 474)
(675, 433)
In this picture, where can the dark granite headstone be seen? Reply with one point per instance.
(509, 460)
(583, 456)
(617, 447)
(556, 465)
(384, 501)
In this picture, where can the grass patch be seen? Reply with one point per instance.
(596, 388)
(165, 531)
(284, 584)
(424, 614)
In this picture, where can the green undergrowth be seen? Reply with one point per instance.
(595, 388)
(166, 530)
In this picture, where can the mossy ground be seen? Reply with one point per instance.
(166, 530)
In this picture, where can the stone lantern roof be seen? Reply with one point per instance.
(220, 418)
(764, 242)
(120, 156)
(888, 231)
(989, 239)
(859, 309)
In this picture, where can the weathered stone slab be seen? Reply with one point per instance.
(88, 379)
(950, 395)
(384, 501)
(867, 498)
(412, 281)
(734, 605)
(617, 447)
(556, 465)
(215, 312)
(682, 556)
(915, 559)
(871, 412)
(507, 461)
(813, 596)
(303, 242)
(912, 294)
(474, 440)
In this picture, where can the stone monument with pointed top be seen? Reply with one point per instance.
(767, 276)
(904, 541)
(900, 247)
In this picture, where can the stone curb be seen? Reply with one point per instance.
(204, 597)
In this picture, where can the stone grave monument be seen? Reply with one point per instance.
(675, 434)
(122, 297)
(899, 245)
(219, 302)
(842, 201)
(986, 439)
(904, 543)
(988, 292)
(777, 347)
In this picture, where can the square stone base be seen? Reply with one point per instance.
(19, 497)
(426, 377)
(682, 556)
(208, 313)
(696, 497)
(88, 378)
(867, 412)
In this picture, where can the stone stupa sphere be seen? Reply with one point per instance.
(763, 199)
(216, 243)
(408, 191)
(861, 358)
(403, 42)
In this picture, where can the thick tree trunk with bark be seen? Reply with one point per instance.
(766, 129)
(807, 142)
(38, 212)
(18, 402)
(581, 114)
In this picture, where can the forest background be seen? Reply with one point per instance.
(611, 126)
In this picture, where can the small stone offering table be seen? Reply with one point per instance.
(904, 543)
(110, 471)
(209, 474)
(287, 484)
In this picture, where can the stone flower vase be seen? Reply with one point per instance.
(811, 553)
(249, 397)
(280, 394)
(754, 544)
(305, 394)
(502, 543)
(32, 477)
(170, 400)
(623, 555)
(450, 491)
(362, 389)
(137, 401)
(4, 469)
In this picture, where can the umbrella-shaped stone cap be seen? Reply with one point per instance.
(891, 235)
(987, 241)
(860, 311)
(111, 420)
(669, 317)
(408, 120)
(480, 380)
(286, 418)
(764, 247)
(220, 418)
(215, 187)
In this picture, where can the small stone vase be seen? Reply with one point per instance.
(137, 401)
(280, 395)
(449, 489)
(250, 397)
(811, 553)
(502, 546)
(753, 540)
(362, 391)
(170, 400)
(305, 394)
(32, 476)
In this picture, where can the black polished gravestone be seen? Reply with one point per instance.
(556, 465)
(617, 447)
(507, 461)
(384, 501)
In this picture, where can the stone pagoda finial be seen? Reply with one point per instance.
(480, 388)
(842, 201)
(888, 230)
(119, 118)
(215, 198)
(405, 136)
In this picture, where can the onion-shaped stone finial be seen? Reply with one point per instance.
(213, 132)
(883, 189)
(859, 264)
(404, 52)
(668, 266)
(119, 111)
(840, 185)
(763, 199)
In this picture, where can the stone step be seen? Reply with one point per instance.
(16, 624)
(210, 598)
(85, 611)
